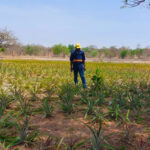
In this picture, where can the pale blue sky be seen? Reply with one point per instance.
(88, 22)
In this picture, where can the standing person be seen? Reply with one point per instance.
(77, 63)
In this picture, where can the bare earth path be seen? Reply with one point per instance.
(114, 60)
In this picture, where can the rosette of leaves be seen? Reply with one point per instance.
(66, 96)
(98, 139)
(47, 108)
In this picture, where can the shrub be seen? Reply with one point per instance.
(71, 47)
(56, 49)
(59, 48)
(106, 53)
(32, 49)
(2, 49)
(85, 49)
(123, 53)
(65, 50)
(132, 53)
(139, 52)
(94, 53)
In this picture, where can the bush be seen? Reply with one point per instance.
(2, 49)
(94, 53)
(56, 49)
(106, 53)
(132, 53)
(65, 50)
(123, 53)
(137, 52)
(59, 48)
(32, 49)
(85, 49)
(71, 47)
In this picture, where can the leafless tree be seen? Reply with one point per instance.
(6, 38)
(135, 3)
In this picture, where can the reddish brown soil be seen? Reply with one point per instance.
(73, 126)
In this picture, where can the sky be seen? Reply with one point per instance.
(88, 22)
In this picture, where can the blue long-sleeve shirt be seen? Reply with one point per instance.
(77, 57)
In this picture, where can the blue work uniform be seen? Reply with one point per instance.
(78, 57)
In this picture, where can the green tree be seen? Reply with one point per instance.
(85, 49)
(32, 49)
(123, 53)
(60, 49)
(71, 47)
(2, 49)
(94, 53)
(57, 49)
(132, 53)
(139, 52)
(65, 50)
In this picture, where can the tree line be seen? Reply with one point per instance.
(9, 45)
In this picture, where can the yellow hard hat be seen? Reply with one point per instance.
(78, 45)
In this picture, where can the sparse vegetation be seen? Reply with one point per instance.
(34, 100)
(10, 47)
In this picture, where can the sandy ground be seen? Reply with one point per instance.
(114, 60)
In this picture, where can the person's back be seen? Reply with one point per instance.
(77, 59)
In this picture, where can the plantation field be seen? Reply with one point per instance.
(42, 109)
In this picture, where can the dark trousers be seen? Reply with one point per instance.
(81, 72)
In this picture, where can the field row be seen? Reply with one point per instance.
(42, 109)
